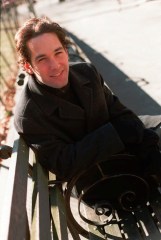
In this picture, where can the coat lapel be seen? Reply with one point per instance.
(68, 110)
(84, 92)
(49, 103)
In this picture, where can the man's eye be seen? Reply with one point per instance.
(41, 59)
(57, 53)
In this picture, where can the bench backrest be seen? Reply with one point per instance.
(28, 207)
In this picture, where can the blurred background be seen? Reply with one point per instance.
(11, 20)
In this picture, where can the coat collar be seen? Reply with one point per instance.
(48, 102)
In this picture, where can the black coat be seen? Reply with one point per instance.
(68, 138)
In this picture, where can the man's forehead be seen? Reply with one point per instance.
(43, 38)
(43, 43)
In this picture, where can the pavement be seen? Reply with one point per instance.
(122, 39)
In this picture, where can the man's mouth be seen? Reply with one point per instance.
(56, 74)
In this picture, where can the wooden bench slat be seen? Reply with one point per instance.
(30, 194)
(41, 225)
(155, 204)
(94, 234)
(146, 224)
(113, 230)
(13, 222)
(58, 214)
(74, 221)
(129, 225)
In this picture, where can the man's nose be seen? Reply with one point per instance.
(54, 64)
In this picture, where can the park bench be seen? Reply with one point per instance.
(34, 208)
(37, 206)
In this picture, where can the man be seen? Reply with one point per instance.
(67, 115)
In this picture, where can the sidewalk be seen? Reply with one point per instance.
(122, 40)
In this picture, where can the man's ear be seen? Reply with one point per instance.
(28, 68)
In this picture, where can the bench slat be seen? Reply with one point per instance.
(94, 234)
(147, 225)
(113, 230)
(129, 225)
(41, 224)
(156, 207)
(58, 214)
(30, 194)
(13, 222)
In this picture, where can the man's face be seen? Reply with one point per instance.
(49, 60)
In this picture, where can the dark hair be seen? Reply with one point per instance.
(33, 28)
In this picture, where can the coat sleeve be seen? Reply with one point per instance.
(66, 160)
(128, 125)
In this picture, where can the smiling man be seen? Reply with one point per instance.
(66, 113)
(49, 62)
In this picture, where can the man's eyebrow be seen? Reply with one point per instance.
(39, 56)
(58, 49)
(43, 55)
